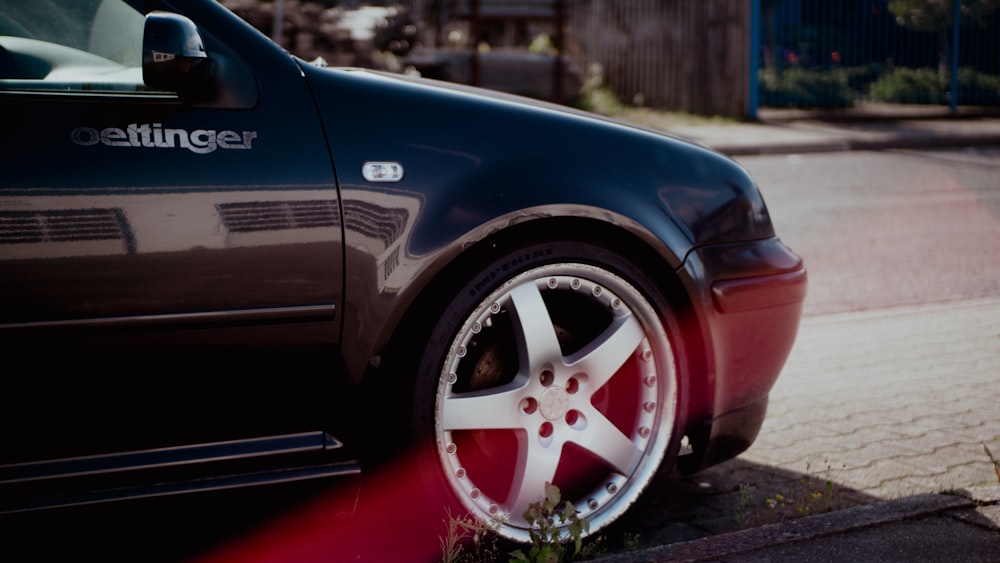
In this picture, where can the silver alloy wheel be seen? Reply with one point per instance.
(563, 374)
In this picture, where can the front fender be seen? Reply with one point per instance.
(472, 163)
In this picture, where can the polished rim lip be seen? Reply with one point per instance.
(621, 491)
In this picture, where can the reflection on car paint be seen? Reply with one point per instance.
(65, 232)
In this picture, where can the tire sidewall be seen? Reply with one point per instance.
(457, 308)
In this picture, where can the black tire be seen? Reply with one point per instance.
(554, 364)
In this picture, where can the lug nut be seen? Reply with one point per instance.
(528, 405)
(545, 430)
(572, 417)
(572, 386)
(547, 378)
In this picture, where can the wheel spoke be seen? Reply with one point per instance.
(602, 358)
(495, 408)
(607, 442)
(537, 341)
(536, 465)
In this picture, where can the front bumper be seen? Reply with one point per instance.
(751, 311)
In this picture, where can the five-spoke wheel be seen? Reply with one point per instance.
(560, 373)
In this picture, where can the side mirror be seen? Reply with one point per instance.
(174, 57)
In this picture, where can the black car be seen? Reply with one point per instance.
(223, 266)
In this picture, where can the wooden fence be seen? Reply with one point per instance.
(682, 55)
(685, 55)
(709, 57)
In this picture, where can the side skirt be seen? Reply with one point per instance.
(171, 471)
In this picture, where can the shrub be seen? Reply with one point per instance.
(978, 88)
(805, 88)
(911, 86)
(929, 86)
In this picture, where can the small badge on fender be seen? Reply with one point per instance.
(376, 171)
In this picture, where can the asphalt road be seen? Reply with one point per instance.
(889, 228)
(892, 389)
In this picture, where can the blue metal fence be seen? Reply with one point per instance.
(841, 53)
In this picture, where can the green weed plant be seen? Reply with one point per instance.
(556, 532)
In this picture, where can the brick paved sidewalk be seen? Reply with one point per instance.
(890, 403)
(873, 405)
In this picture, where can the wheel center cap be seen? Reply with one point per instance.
(554, 403)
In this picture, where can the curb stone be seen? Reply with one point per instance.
(799, 530)
(772, 138)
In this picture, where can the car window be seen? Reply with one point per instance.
(71, 45)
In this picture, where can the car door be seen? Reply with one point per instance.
(170, 257)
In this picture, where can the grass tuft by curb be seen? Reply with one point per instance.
(803, 497)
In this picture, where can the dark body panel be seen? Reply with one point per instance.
(182, 279)
(522, 163)
(516, 162)
(236, 267)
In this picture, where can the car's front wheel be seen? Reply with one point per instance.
(553, 365)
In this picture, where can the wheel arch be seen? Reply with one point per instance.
(389, 379)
